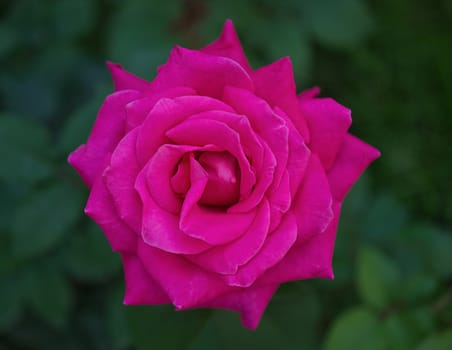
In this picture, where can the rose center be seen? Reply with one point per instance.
(223, 185)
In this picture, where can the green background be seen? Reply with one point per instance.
(61, 286)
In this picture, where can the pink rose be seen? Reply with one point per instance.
(215, 182)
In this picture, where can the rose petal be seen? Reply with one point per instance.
(138, 110)
(108, 130)
(328, 122)
(309, 93)
(227, 258)
(140, 287)
(310, 259)
(205, 73)
(275, 83)
(124, 80)
(312, 206)
(120, 179)
(280, 201)
(251, 302)
(205, 131)
(353, 158)
(168, 113)
(298, 157)
(100, 208)
(274, 250)
(160, 228)
(208, 224)
(185, 283)
(228, 45)
(269, 126)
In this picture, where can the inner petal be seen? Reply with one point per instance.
(223, 185)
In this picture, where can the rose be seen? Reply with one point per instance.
(215, 182)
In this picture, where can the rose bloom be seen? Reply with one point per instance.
(216, 182)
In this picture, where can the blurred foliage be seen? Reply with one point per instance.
(390, 61)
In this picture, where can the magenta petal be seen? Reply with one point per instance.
(138, 110)
(108, 130)
(353, 158)
(311, 259)
(168, 113)
(280, 201)
(228, 45)
(140, 287)
(210, 225)
(160, 228)
(298, 157)
(186, 284)
(269, 126)
(100, 208)
(328, 122)
(124, 80)
(227, 258)
(275, 83)
(250, 302)
(205, 131)
(312, 206)
(309, 93)
(205, 73)
(120, 179)
(275, 248)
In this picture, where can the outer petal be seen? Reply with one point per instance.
(205, 73)
(140, 287)
(124, 80)
(108, 130)
(228, 45)
(274, 249)
(227, 258)
(100, 208)
(275, 83)
(312, 206)
(185, 283)
(120, 179)
(353, 158)
(138, 110)
(311, 259)
(250, 302)
(328, 122)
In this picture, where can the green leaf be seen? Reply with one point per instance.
(160, 327)
(225, 328)
(438, 341)
(417, 288)
(73, 18)
(78, 125)
(355, 329)
(116, 320)
(430, 245)
(24, 150)
(385, 219)
(140, 36)
(11, 301)
(89, 257)
(284, 38)
(44, 218)
(377, 278)
(341, 24)
(398, 334)
(49, 294)
(296, 311)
